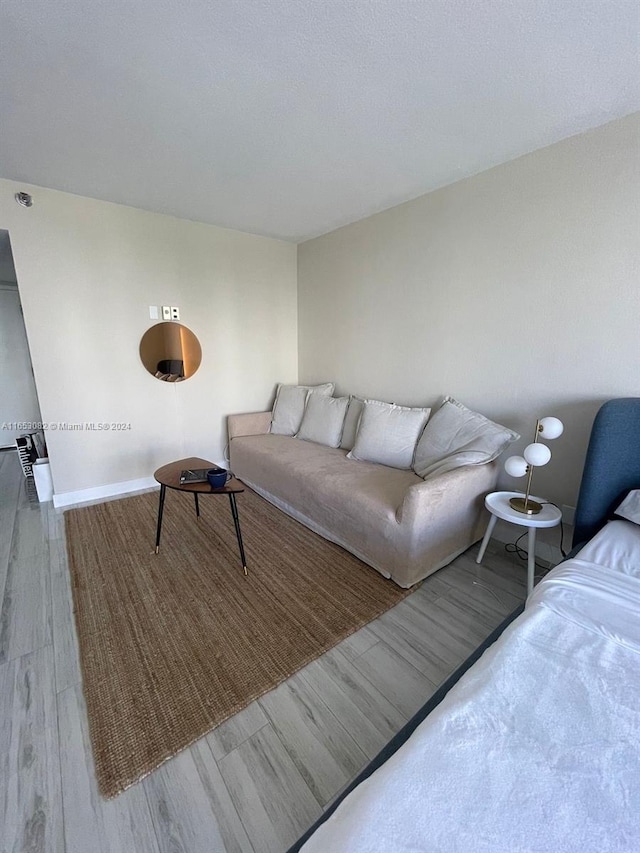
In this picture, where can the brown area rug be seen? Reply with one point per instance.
(172, 644)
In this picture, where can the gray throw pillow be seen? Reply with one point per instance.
(288, 408)
(387, 434)
(323, 419)
(351, 422)
(457, 436)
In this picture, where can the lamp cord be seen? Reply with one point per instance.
(489, 589)
(561, 525)
(514, 547)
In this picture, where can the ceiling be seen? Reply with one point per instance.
(289, 118)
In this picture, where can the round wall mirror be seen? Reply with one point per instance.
(170, 352)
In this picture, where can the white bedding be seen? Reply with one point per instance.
(537, 746)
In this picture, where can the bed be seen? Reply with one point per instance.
(536, 746)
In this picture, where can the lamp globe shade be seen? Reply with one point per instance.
(516, 466)
(537, 454)
(551, 427)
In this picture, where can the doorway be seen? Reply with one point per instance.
(19, 407)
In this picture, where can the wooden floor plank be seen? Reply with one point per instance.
(358, 643)
(434, 586)
(121, 825)
(325, 755)
(11, 477)
(233, 832)
(31, 804)
(30, 532)
(10, 483)
(182, 811)
(25, 617)
(234, 731)
(58, 561)
(27, 569)
(65, 641)
(363, 711)
(468, 622)
(271, 797)
(7, 523)
(402, 684)
(489, 607)
(448, 632)
(498, 569)
(55, 524)
(434, 660)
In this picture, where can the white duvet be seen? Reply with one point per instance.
(537, 747)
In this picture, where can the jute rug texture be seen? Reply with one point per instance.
(173, 644)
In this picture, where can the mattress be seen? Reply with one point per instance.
(536, 748)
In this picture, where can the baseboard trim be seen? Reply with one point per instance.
(97, 493)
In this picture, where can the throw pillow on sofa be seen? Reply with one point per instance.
(457, 436)
(289, 405)
(351, 421)
(323, 419)
(387, 434)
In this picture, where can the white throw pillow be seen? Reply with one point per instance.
(630, 507)
(351, 422)
(456, 436)
(387, 434)
(288, 408)
(323, 419)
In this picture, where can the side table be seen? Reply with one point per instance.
(169, 478)
(498, 505)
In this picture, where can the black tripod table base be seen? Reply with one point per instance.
(169, 478)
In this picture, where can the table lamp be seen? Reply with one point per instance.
(534, 455)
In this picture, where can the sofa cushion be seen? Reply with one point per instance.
(320, 481)
(288, 408)
(390, 518)
(457, 436)
(387, 434)
(351, 421)
(323, 419)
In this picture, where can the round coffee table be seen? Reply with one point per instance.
(169, 478)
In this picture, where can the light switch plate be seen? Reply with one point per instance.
(175, 313)
(153, 312)
(166, 312)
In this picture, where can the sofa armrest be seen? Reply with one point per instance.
(251, 423)
(450, 493)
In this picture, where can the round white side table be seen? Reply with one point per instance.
(498, 505)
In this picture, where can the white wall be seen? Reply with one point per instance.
(516, 291)
(88, 271)
(18, 400)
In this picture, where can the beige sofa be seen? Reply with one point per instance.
(404, 526)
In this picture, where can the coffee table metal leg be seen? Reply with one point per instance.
(236, 521)
(195, 495)
(163, 490)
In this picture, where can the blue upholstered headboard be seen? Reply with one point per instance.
(612, 465)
